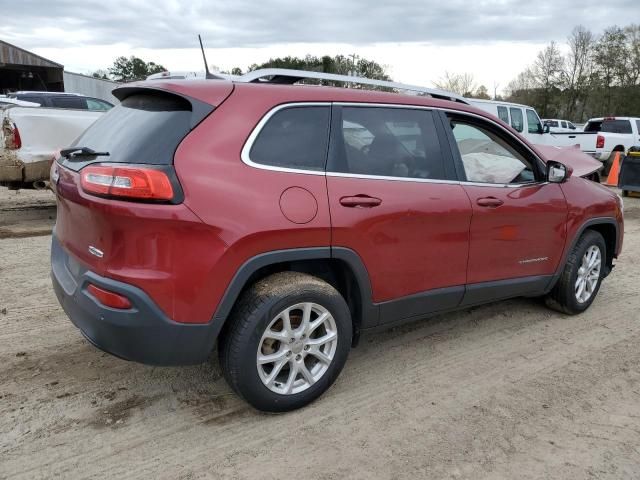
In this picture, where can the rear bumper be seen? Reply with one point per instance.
(142, 333)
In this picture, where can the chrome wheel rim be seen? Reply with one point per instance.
(588, 274)
(297, 348)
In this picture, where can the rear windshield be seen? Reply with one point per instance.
(594, 126)
(616, 126)
(144, 128)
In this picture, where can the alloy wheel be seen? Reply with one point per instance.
(297, 348)
(588, 274)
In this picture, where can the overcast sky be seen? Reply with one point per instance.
(417, 40)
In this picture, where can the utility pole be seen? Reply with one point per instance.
(495, 89)
(353, 58)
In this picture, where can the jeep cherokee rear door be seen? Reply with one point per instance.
(394, 200)
(518, 224)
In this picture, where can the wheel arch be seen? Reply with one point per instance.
(340, 267)
(607, 227)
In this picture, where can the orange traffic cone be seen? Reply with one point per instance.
(612, 179)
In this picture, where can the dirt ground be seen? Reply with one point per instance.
(509, 390)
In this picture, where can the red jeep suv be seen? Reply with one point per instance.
(278, 222)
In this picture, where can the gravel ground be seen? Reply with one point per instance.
(509, 390)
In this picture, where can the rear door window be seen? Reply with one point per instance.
(517, 121)
(503, 114)
(387, 142)
(533, 122)
(616, 126)
(79, 103)
(143, 128)
(294, 137)
(564, 125)
(638, 126)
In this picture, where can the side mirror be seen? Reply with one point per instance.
(546, 129)
(558, 172)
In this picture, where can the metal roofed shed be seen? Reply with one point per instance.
(24, 70)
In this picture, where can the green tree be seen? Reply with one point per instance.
(610, 58)
(133, 68)
(101, 73)
(482, 93)
(340, 64)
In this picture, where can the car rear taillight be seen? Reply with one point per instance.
(130, 182)
(12, 135)
(109, 299)
(599, 141)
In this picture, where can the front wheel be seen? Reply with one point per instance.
(582, 275)
(289, 337)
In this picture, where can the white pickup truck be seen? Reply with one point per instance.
(614, 134)
(601, 136)
(29, 136)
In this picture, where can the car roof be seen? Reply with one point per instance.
(602, 119)
(498, 102)
(208, 91)
(46, 94)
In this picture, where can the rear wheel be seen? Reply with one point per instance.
(582, 275)
(287, 342)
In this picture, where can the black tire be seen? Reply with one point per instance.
(563, 296)
(252, 315)
(625, 193)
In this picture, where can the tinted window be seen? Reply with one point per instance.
(516, 119)
(28, 98)
(390, 142)
(295, 137)
(96, 105)
(533, 122)
(594, 126)
(143, 128)
(69, 102)
(486, 156)
(638, 125)
(564, 125)
(616, 126)
(551, 123)
(503, 114)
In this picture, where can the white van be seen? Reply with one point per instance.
(522, 118)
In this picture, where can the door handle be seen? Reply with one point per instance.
(572, 136)
(491, 202)
(360, 201)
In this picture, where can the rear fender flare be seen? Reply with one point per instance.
(369, 311)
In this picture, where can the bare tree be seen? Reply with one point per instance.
(547, 71)
(578, 67)
(461, 83)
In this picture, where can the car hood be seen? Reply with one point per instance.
(581, 163)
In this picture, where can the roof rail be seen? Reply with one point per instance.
(285, 76)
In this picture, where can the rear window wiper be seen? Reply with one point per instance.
(71, 153)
